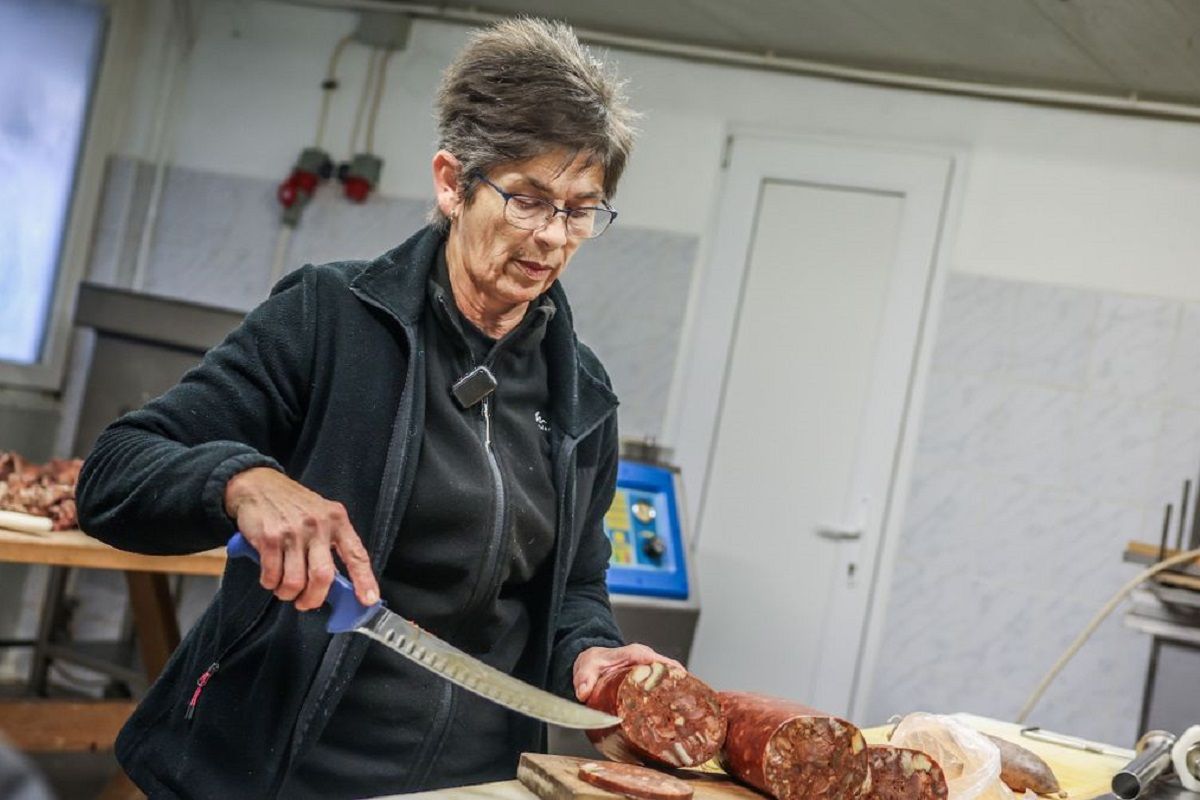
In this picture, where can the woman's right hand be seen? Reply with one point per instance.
(294, 530)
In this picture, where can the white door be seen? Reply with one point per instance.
(797, 392)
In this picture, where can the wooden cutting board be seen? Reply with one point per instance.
(556, 778)
(1082, 775)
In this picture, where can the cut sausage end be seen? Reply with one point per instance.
(667, 716)
(900, 773)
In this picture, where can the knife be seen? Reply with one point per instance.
(439, 657)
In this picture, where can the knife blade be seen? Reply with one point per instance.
(440, 657)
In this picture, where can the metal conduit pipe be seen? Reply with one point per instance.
(1119, 104)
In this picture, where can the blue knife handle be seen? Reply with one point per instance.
(347, 614)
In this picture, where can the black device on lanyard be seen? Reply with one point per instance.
(474, 386)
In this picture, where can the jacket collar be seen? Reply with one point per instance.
(396, 282)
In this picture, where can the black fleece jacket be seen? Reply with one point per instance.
(325, 381)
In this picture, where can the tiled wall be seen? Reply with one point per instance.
(1057, 424)
(216, 235)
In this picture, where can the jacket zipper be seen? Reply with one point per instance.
(496, 549)
(215, 666)
(201, 682)
(501, 498)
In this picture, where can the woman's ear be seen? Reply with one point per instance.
(446, 169)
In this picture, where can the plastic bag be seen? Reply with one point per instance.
(969, 761)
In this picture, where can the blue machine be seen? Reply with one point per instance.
(648, 556)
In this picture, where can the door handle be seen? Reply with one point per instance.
(839, 532)
(847, 531)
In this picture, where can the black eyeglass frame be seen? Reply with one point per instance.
(566, 212)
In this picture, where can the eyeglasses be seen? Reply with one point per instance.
(534, 214)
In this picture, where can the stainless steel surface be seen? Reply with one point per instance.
(162, 320)
(667, 626)
(1167, 787)
(29, 427)
(1153, 758)
(1171, 617)
(125, 374)
(473, 675)
(144, 345)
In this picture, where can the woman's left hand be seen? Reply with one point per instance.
(595, 661)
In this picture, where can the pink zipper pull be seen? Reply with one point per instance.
(201, 682)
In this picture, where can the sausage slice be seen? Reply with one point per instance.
(634, 781)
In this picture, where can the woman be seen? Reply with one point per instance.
(431, 418)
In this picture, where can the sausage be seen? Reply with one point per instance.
(667, 716)
(1021, 769)
(792, 751)
(900, 773)
(634, 781)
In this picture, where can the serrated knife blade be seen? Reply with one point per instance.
(442, 658)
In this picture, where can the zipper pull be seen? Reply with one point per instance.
(487, 425)
(201, 682)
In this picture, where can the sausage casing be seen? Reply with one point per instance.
(792, 751)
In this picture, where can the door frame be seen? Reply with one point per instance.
(928, 179)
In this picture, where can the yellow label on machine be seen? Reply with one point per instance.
(618, 523)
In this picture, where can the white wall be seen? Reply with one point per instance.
(1054, 196)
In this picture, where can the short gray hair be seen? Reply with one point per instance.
(522, 87)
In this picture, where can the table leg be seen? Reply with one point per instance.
(39, 664)
(1148, 688)
(154, 619)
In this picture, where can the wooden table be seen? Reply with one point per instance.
(149, 595)
(39, 725)
(77, 549)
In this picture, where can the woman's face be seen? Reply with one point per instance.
(510, 266)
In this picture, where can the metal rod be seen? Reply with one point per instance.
(1162, 546)
(1074, 742)
(1195, 537)
(1148, 686)
(1154, 756)
(1183, 509)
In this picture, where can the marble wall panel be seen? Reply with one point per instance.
(963, 416)
(1183, 371)
(1132, 348)
(977, 323)
(1113, 453)
(1052, 335)
(1057, 423)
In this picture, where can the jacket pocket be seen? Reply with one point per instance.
(226, 652)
